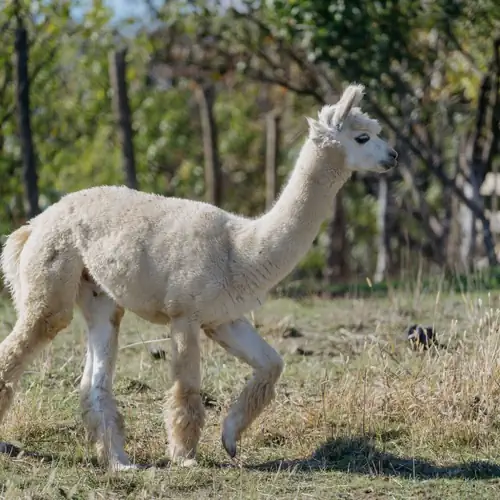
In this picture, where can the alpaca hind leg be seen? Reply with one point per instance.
(242, 340)
(100, 414)
(49, 279)
(31, 333)
(184, 412)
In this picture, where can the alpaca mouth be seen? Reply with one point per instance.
(388, 165)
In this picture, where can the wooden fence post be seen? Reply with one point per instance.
(117, 73)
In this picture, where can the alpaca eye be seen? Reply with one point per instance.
(361, 139)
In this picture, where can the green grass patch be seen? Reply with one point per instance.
(358, 415)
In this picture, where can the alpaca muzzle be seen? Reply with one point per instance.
(390, 162)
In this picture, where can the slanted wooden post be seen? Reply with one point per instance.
(117, 74)
(30, 177)
(205, 95)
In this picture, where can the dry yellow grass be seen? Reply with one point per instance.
(357, 414)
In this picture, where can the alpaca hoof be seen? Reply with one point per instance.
(229, 445)
(229, 436)
(184, 460)
(122, 467)
(119, 467)
(187, 462)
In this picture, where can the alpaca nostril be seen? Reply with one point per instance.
(393, 153)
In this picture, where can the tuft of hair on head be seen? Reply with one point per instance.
(331, 117)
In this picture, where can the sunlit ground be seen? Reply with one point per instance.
(358, 415)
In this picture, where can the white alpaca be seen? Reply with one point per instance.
(175, 261)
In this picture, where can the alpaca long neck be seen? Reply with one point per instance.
(286, 232)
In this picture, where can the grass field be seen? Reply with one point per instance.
(358, 415)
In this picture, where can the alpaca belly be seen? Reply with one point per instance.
(226, 308)
(156, 317)
(131, 290)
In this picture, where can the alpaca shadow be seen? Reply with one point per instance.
(356, 455)
(359, 455)
(14, 452)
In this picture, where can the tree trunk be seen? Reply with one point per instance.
(272, 154)
(117, 74)
(337, 260)
(383, 234)
(30, 178)
(468, 225)
(205, 94)
(479, 157)
(451, 222)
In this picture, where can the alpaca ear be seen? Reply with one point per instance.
(351, 97)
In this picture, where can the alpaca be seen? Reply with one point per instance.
(190, 264)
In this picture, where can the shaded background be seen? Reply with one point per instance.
(207, 100)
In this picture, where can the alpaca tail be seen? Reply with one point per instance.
(10, 260)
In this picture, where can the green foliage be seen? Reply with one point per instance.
(382, 43)
(391, 46)
(339, 31)
(74, 130)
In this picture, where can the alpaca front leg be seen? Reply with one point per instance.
(184, 412)
(242, 340)
(101, 417)
(86, 381)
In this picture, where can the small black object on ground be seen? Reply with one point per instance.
(208, 400)
(292, 333)
(422, 337)
(157, 353)
(135, 385)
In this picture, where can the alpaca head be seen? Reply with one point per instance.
(343, 126)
